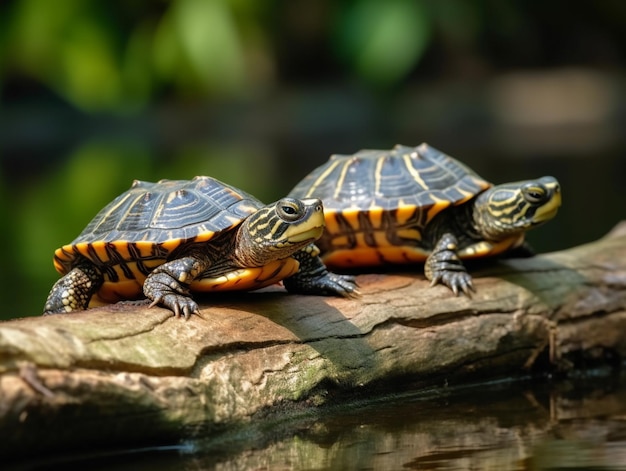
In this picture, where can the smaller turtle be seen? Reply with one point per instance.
(410, 205)
(174, 237)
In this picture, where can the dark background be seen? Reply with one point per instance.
(257, 93)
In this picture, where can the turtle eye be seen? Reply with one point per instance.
(289, 210)
(534, 194)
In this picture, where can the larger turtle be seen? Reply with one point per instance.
(174, 237)
(417, 204)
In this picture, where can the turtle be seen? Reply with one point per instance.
(173, 237)
(412, 205)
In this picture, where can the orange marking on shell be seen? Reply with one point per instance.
(111, 292)
(100, 249)
(340, 241)
(363, 256)
(245, 279)
(380, 239)
(375, 215)
(82, 248)
(352, 217)
(437, 207)
(330, 217)
(169, 245)
(63, 258)
(144, 247)
(123, 250)
(404, 213)
(374, 256)
(413, 234)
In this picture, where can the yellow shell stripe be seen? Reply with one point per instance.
(115, 208)
(321, 178)
(342, 177)
(414, 173)
(378, 180)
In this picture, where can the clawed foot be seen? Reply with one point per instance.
(443, 266)
(333, 284)
(314, 278)
(163, 289)
(178, 304)
(324, 284)
(457, 281)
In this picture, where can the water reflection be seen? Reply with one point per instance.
(574, 425)
(498, 427)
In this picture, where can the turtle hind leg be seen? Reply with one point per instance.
(74, 290)
(314, 278)
(444, 266)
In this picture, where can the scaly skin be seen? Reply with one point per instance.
(314, 278)
(444, 266)
(169, 283)
(74, 290)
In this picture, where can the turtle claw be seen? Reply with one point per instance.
(458, 281)
(461, 282)
(181, 306)
(163, 286)
(189, 309)
(341, 285)
(314, 278)
(444, 266)
(323, 284)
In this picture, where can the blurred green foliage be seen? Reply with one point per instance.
(75, 73)
(383, 40)
(120, 55)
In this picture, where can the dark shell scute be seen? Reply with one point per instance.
(170, 209)
(418, 176)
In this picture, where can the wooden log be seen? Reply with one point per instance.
(127, 374)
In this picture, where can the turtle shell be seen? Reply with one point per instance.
(140, 229)
(378, 202)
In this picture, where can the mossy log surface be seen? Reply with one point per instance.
(127, 374)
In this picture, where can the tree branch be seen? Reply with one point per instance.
(128, 374)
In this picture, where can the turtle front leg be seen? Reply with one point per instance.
(73, 291)
(314, 278)
(168, 284)
(444, 266)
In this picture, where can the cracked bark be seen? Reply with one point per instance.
(126, 374)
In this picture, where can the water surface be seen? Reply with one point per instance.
(539, 425)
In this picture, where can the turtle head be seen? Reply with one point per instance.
(513, 208)
(278, 230)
